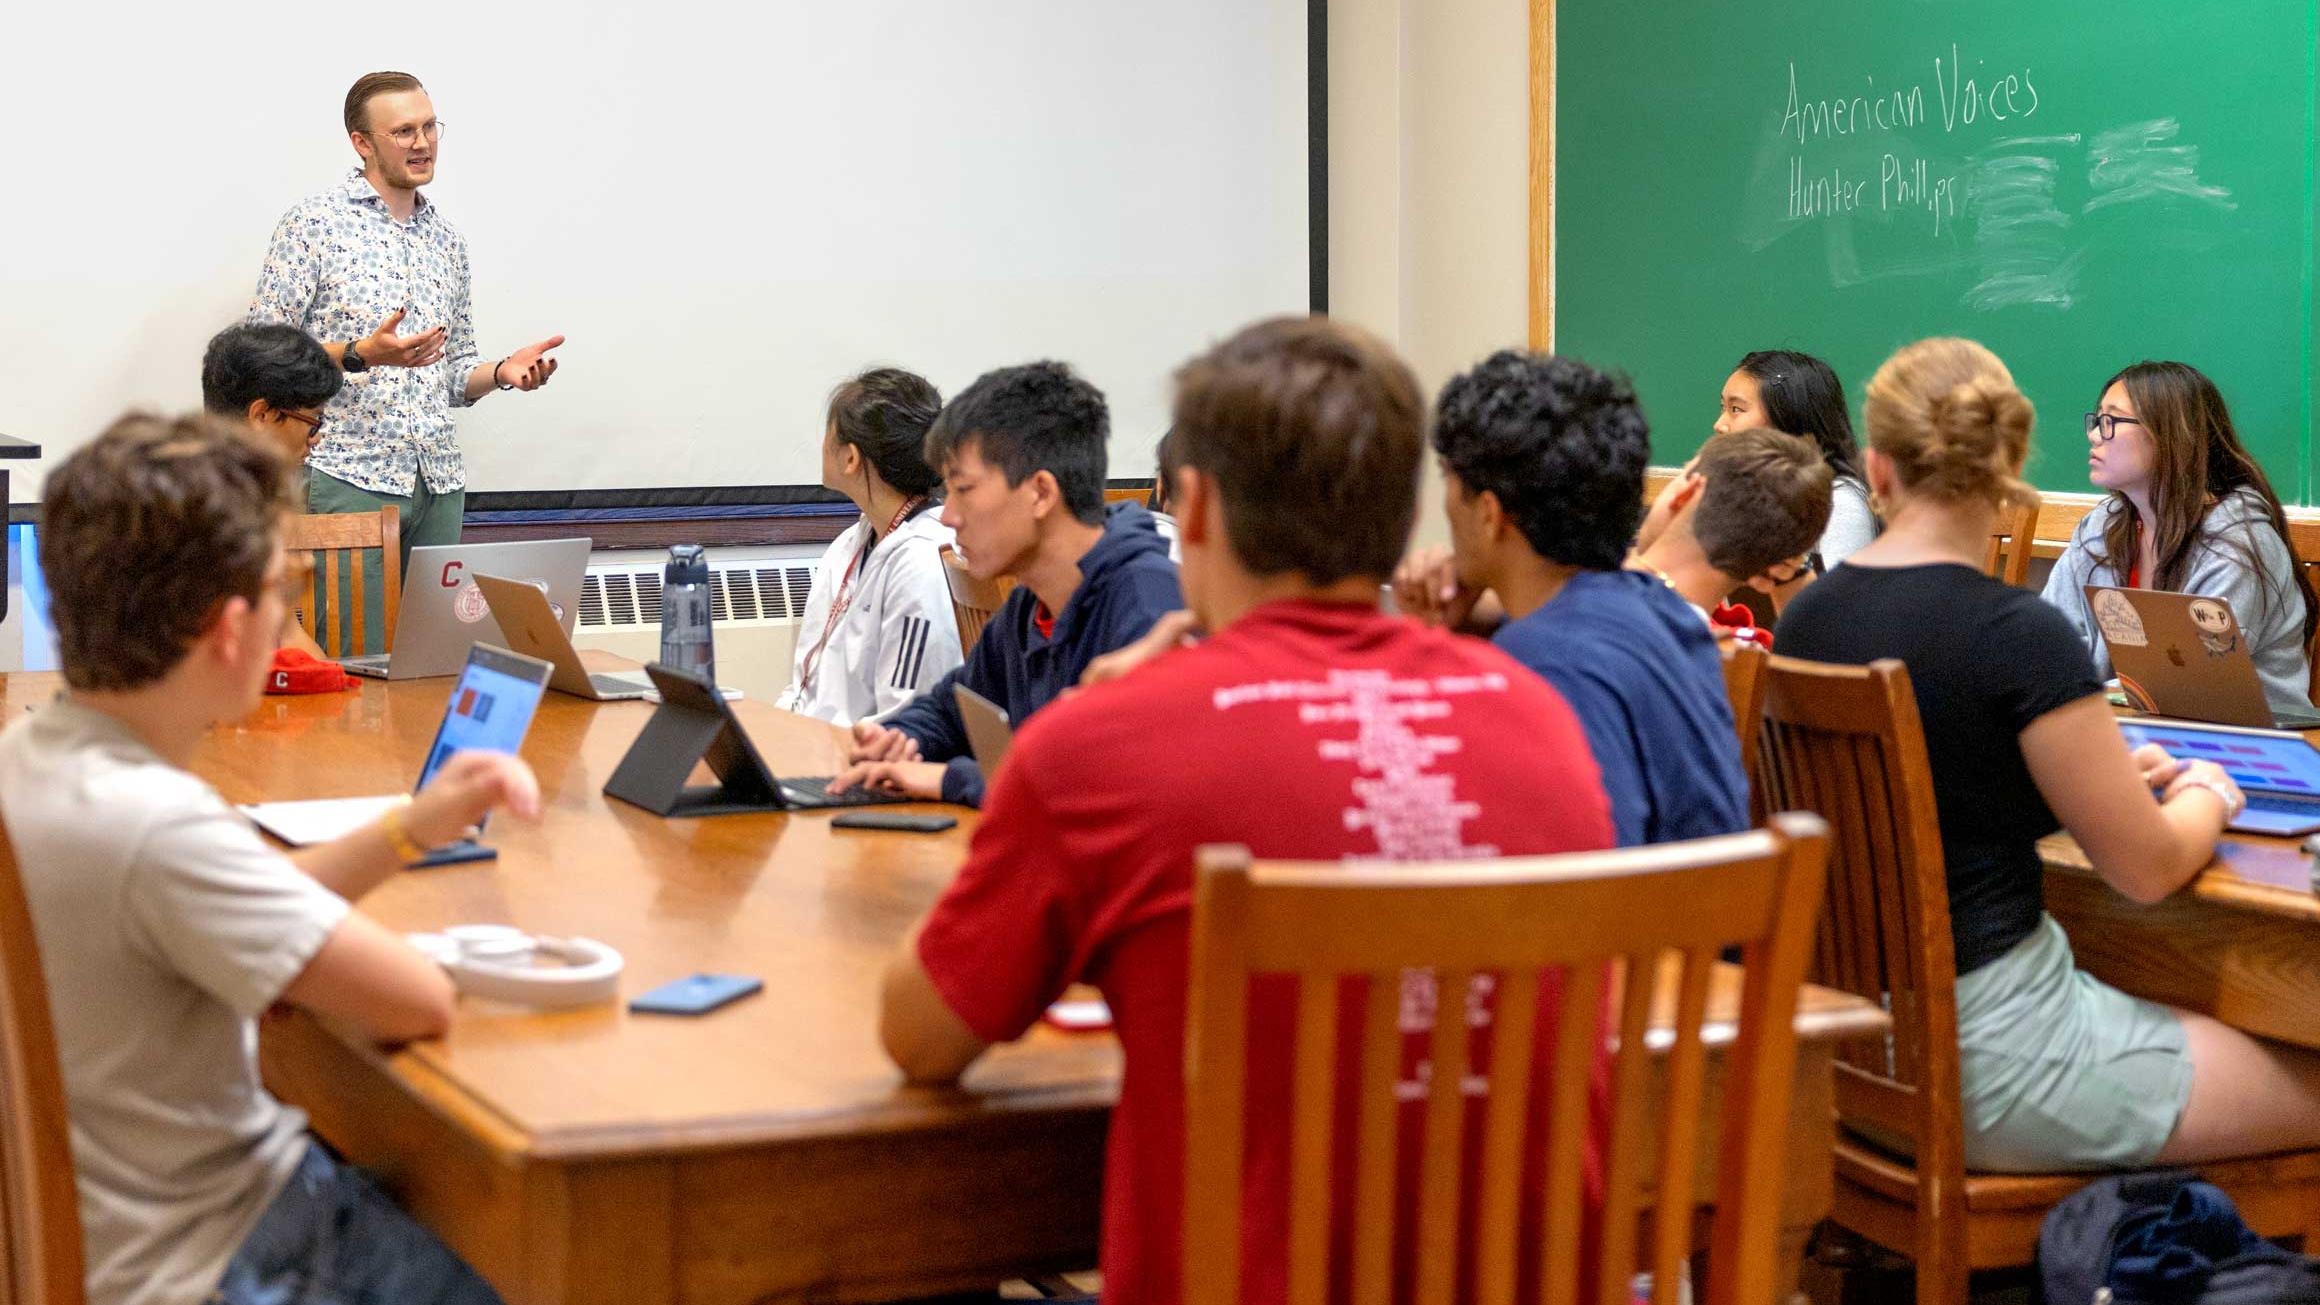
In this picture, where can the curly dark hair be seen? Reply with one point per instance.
(145, 531)
(1024, 420)
(1563, 446)
(266, 360)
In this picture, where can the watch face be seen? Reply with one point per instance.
(353, 361)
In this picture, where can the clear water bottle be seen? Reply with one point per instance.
(685, 613)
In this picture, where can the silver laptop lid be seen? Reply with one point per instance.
(444, 614)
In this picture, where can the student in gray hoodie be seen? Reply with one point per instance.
(2189, 511)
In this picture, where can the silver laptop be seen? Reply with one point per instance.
(2185, 655)
(533, 629)
(989, 735)
(2277, 770)
(443, 614)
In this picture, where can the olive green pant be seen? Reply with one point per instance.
(426, 518)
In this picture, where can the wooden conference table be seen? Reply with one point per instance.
(767, 1151)
(2241, 942)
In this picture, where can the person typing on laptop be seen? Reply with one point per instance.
(166, 926)
(1022, 456)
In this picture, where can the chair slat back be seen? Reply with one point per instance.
(973, 601)
(1744, 685)
(329, 537)
(39, 1206)
(1656, 920)
(2304, 542)
(2008, 556)
(1846, 743)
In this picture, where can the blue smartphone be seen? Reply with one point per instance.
(697, 995)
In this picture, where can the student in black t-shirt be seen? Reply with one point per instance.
(2059, 1071)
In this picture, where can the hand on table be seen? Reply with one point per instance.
(876, 742)
(916, 779)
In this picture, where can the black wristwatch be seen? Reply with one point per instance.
(351, 362)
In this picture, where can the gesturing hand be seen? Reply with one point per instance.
(384, 348)
(528, 368)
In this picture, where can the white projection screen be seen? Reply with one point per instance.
(726, 208)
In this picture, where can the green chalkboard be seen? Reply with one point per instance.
(2078, 184)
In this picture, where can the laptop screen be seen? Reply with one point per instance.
(490, 709)
(2267, 762)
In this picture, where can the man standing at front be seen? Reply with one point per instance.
(372, 269)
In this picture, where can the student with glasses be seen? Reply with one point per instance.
(372, 269)
(2191, 512)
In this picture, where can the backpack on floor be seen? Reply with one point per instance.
(2164, 1239)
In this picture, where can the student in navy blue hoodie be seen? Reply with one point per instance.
(1542, 479)
(1022, 456)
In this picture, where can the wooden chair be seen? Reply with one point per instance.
(973, 602)
(2008, 557)
(1141, 496)
(1320, 921)
(329, 536)
(1744, 684)
(2304, 541)
(39, 1206)
(1845, 742)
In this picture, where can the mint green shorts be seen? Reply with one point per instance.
(2060, 1071)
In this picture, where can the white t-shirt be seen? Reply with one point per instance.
(166, 927)
(897, 634)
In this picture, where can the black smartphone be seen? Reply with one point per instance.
(908, 822)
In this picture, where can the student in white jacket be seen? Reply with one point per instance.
(878, 626)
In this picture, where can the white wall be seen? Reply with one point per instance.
(1429, 167)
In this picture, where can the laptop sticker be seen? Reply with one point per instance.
(2118, 620)
(2218, 633)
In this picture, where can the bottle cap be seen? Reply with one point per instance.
(688, 564)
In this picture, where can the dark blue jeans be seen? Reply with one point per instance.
(333, 1238)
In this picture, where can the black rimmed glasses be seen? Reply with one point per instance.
(2108, 423)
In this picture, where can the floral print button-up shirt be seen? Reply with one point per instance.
(339, 264)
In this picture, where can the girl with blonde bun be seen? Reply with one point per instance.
(2058, 1071)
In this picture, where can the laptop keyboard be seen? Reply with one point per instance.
(816, 793)
(2283, 806)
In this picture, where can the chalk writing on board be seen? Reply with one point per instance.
(1934, 176)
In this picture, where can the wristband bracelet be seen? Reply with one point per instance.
(398, 833)
(2233, 801)
(496, 382)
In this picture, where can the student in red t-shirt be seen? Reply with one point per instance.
(1308, 726)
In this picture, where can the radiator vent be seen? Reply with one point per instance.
(630, 599)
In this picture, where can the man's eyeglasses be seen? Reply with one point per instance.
(2108, 423)
(313, 424)
(409, 136)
